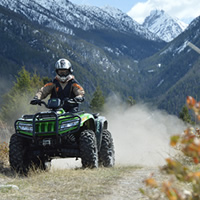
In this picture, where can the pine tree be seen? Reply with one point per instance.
(16, 101)
(185, 116)
(131, 101)
(23, 83)
(97, 101)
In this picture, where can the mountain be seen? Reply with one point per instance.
(105, 46)
(173, 73)
(164, 26)
(107, 57)
(108, 28)
(64, 16)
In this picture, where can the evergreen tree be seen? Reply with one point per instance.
(131, 101)
(97, 101)
(23, 83)
(16, 101)
(185, 116)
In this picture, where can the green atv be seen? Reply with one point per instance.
(56, 133)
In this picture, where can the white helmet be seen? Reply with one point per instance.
(63, 64)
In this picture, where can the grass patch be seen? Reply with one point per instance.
(73, 184)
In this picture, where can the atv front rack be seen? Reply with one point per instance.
(50, 118)
(46, 124)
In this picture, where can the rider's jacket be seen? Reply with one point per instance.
(57, 89)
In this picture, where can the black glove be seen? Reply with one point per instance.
(35, 101)
(79, 99)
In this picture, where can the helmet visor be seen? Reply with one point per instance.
(63, 72)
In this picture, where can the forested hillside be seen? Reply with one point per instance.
(173, 73)
(28, 44)
(120, 63)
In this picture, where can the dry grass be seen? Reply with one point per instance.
(69, 184)
(4, 151)
(6, 131)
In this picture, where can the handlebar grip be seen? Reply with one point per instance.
(37, 102)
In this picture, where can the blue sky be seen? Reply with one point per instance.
(185, 10)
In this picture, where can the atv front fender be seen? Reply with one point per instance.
(101, 123)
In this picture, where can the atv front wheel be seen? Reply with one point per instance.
(88, 149)
(18, 156)
(107, 153)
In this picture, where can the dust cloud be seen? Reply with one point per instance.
(141, 133)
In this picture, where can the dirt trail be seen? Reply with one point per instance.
(128, 187)
(125, 188)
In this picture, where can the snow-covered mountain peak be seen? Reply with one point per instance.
(64, 16)
(157, 13)
(112, 10)
(163, 25)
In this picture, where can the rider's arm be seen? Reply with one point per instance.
(45, 91)
(78, 90)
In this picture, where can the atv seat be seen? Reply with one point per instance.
(95, 115)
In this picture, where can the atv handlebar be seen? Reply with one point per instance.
(56, 102)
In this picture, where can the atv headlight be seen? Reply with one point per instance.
(25, 127)
(68, 124)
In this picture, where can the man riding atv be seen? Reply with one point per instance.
(62, 130)
(63, 86)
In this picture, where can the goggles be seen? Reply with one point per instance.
(62, 72)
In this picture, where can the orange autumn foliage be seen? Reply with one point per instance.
(170, 192)
(151, 182)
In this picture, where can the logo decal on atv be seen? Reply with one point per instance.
(84, 118)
